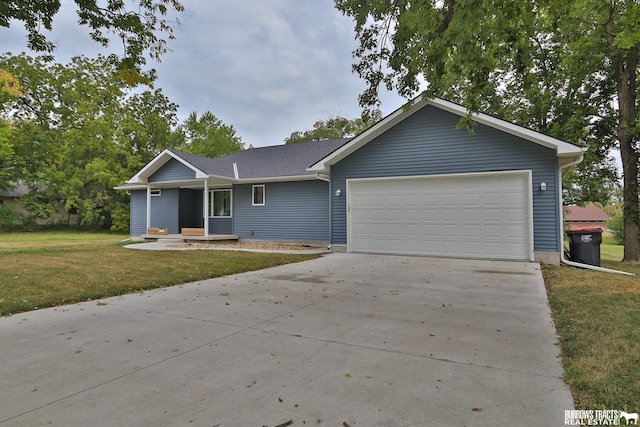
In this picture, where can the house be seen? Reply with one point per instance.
(11, 199)
(414, 183)
(11, 195)
(590, 216)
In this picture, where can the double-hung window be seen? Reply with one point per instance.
(257, 195)
(220, 203)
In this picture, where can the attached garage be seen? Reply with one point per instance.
(416, 183)
(486, 215)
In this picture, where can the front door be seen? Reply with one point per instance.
(190, 208)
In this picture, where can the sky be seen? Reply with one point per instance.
(266, 67)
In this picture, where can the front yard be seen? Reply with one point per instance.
(46, 269)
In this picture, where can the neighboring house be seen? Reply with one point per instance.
(586, 217)
(413, 184)
(11, 198)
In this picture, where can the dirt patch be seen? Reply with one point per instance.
(264, 246)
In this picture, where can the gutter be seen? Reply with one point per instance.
(562, 258)
(323, 177)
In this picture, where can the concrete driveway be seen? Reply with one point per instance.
(344, 340)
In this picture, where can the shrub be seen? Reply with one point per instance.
(8, 217)
(616, 226)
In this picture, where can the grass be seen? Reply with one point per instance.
(47, 269)
(597, 316)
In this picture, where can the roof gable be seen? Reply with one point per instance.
(566, 152)
(158, 162)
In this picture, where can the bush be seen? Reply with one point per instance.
(616, 226)
(8, 218)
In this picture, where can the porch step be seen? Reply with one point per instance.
(171, 240)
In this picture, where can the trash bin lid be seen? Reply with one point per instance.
(586, 230)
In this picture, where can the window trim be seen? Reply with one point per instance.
(253, 195)
(212, 201)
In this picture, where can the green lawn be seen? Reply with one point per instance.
(597, 316)
(46, 269)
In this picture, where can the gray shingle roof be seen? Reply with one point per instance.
(266, 162)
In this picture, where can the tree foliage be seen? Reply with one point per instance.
(208, 136)
(138, 29)
(565, 68)
(335, 127)
(77, 130)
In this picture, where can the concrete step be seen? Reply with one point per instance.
(171, 240)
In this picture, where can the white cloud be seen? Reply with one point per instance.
(266, 67)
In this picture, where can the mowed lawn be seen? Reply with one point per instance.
(45, 269)
(597, 316)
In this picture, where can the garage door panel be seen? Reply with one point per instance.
(475, 215)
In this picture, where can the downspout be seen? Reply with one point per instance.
(562, 258)
(326, 177)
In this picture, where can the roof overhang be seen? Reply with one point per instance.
(566, 152)
(213, 182)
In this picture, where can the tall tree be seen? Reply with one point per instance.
(78, 132)
(564, 67)
(9, 90)
(208, 136)
(138, 29)
(335, 127)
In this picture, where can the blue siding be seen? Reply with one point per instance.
(428, 143)
(138, 213)
(294, 211)
(173, 170)
(164, 210)
(220, 225)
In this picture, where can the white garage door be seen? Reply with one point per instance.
(487, 215)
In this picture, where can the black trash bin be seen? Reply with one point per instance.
(584, 245)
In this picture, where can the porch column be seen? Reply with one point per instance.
(205, 208)
(148, 209)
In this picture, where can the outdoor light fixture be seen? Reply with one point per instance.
(543, 186)
(338, 193)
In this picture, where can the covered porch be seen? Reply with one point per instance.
(174, 196)
(200, 210)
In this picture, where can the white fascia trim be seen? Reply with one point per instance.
(276, 179)
(130, 187)
(563, 149)
(323, 165)
(530, 135)
(227, 182)
(142, 177)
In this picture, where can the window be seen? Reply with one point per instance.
(258, 195)
(220, 203)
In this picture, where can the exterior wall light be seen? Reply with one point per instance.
(338, 193)
(543, 186)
